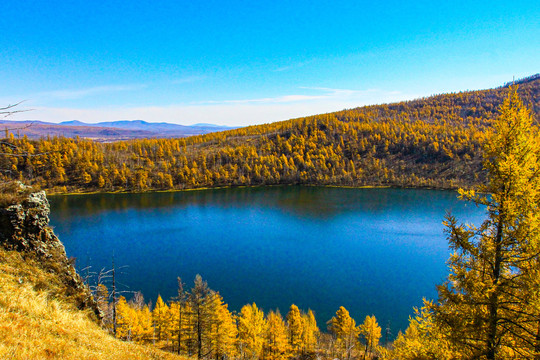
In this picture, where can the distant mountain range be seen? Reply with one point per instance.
(108, 131)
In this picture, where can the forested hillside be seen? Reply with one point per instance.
(429, 142)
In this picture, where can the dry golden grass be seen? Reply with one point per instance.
(13, 192)
(34, 325)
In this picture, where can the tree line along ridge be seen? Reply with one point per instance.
(429, 142)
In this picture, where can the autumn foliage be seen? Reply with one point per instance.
(431, 142)
(199, 324)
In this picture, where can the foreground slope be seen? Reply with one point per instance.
(46, 312)
(36, 325)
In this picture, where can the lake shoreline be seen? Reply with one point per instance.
(249, 187)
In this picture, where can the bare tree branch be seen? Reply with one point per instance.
(8, 110)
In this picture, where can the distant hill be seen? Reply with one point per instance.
(108, 131)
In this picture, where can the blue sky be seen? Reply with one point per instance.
(250, 62)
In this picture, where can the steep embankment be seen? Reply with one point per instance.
(46, 312)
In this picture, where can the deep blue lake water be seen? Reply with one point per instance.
(374, 251)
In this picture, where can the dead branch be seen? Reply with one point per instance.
(8, 110)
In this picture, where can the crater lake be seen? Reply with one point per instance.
(373, 251)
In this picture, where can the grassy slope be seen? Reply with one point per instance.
(35, 325)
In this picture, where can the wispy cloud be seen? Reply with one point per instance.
(325, 94)
(292, 66)
(284, 68)
(316, 100)
(71, 94)
(278, 99)
(333, 92)
(188, 79)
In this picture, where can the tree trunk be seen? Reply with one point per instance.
(365, 350)
(179, 326)
(114, 297)
(537, 345)
(493, 319)
(199, 333)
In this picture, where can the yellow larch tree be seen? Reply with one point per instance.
(133, 323)
(490, 303)
(371, 332)
(180, 318)
(223, 332)
(146, 331)
(251, 331)
(344, 328)
(126, 319)
(276, 344)
(188, 342)
(310, 333)
(200, 301)
(423, 339)
(160, 319)
(175, 314)
(296, 327)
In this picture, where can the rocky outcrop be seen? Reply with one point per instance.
(24, 227)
